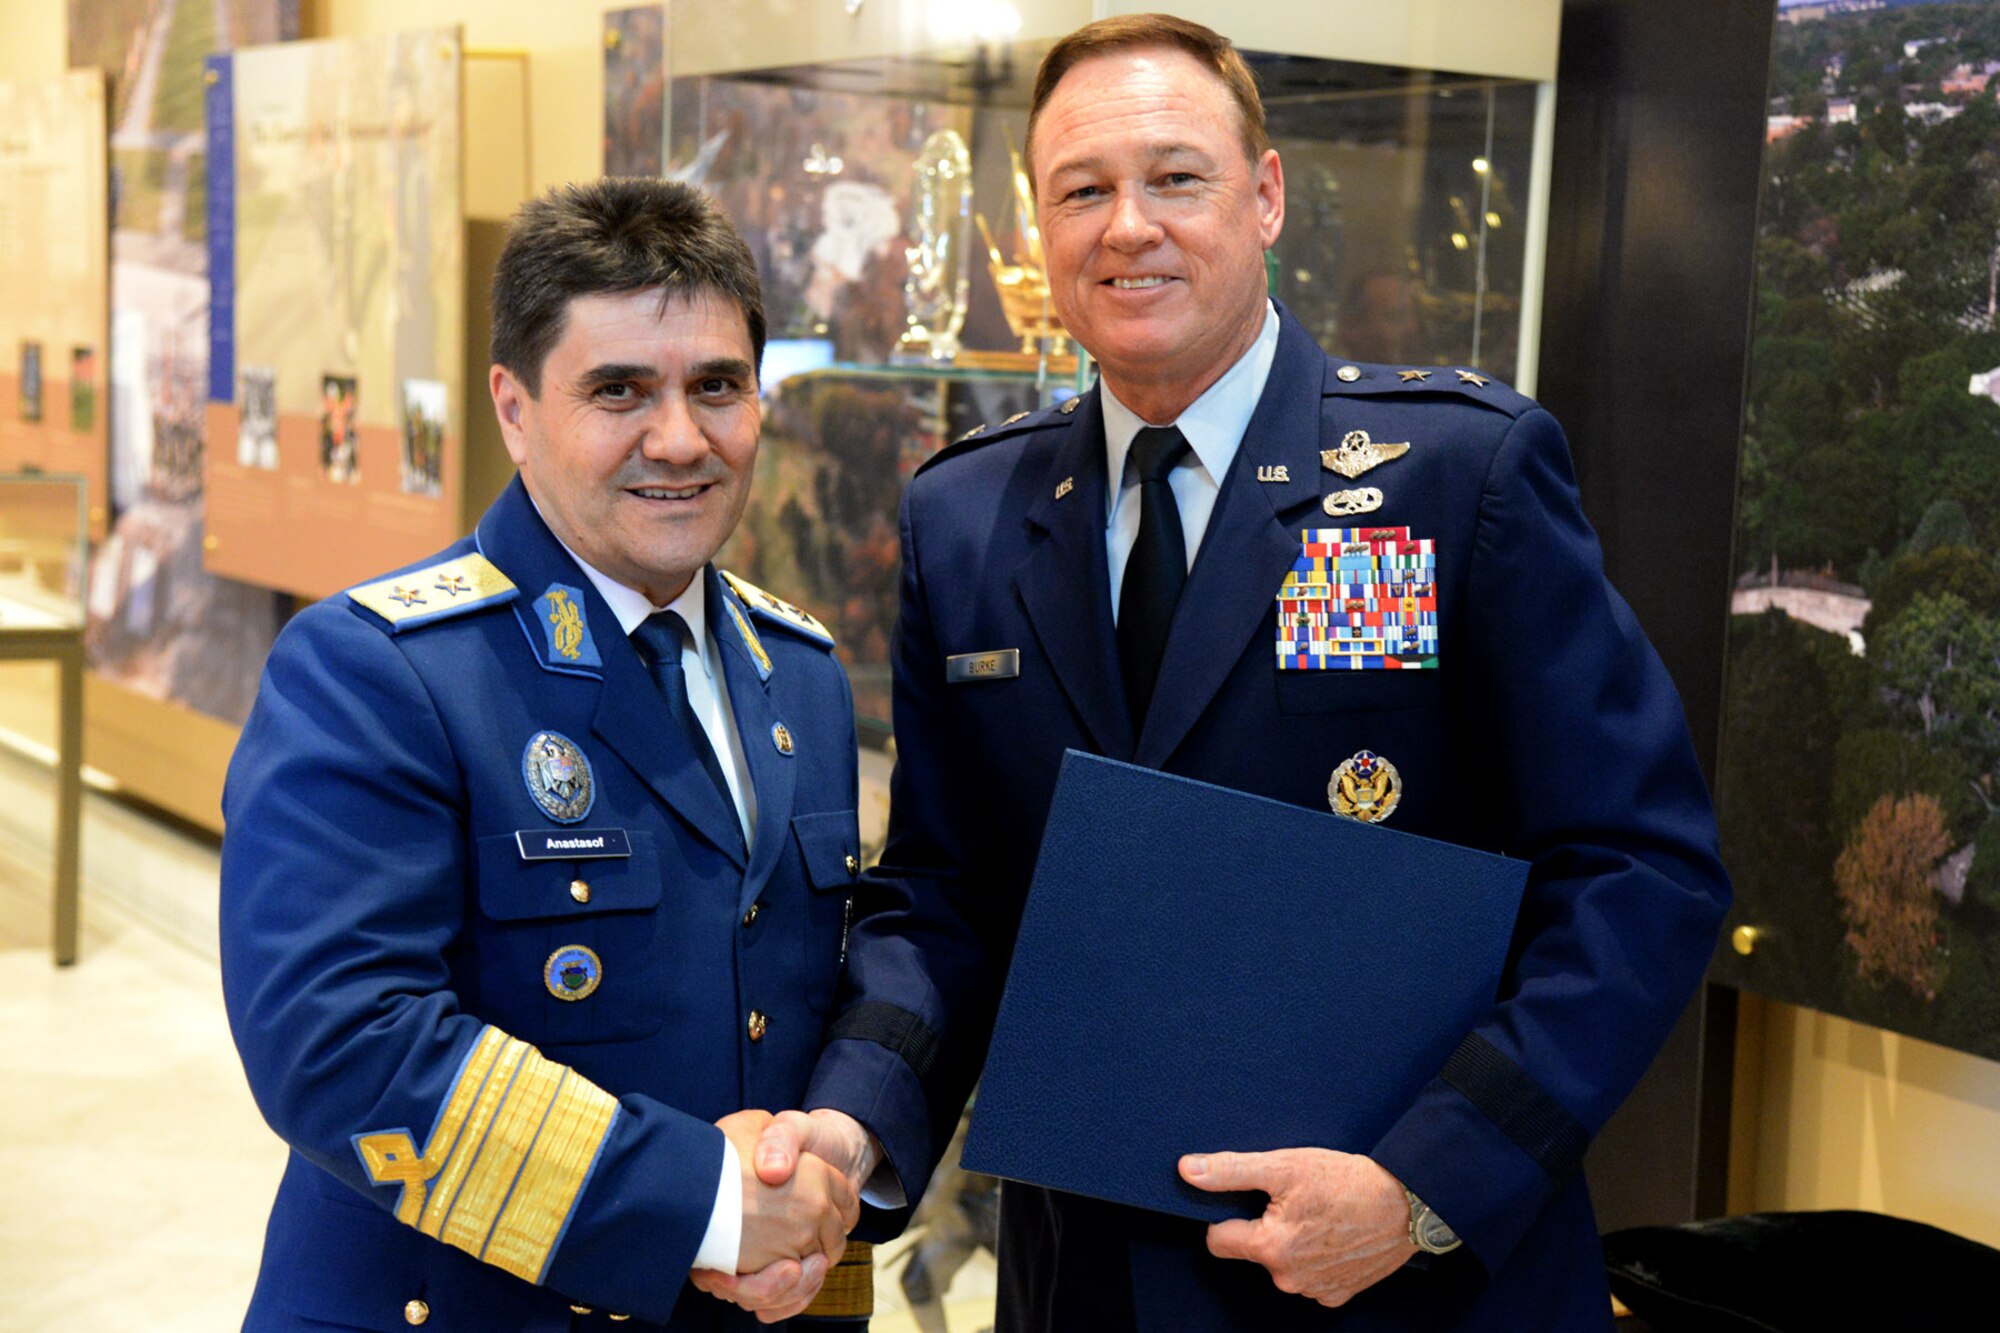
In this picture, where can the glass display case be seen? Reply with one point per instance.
(869, 152)
(44, 521)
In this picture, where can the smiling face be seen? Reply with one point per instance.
(639, 449)
(1155, 222)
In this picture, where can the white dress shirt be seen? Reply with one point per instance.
(722, 1243)
(1213, 426)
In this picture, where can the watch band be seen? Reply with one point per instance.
(1428, 1231)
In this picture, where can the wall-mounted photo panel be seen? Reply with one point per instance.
(1859, 781)
(55, 256)
(337, 257)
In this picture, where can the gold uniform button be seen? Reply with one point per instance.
(750, 917)
(758, 1024)
(416, 1312)
(853, 865)
(579, 890)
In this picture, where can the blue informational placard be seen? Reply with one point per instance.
(221, 107)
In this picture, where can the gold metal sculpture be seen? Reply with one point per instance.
(1024, 284)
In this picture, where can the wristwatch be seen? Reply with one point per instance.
(1427, 1230)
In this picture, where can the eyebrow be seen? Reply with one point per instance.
(618, 372)
(1154, 153)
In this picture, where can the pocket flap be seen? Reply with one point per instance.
(514, 889)
(831, 844)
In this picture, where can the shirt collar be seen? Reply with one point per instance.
(631, 606)
(1213, 424)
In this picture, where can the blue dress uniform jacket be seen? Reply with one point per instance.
(392, 960)
(1548, 731)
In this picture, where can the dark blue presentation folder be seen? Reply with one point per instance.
(1201, 970)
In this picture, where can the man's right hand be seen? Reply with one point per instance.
(809, 1213)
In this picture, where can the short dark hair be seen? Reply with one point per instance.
(617, 234)
(1129, 32)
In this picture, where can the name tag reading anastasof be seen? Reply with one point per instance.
(572, 844)
(965, 668)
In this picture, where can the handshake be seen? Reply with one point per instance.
(802, 1179)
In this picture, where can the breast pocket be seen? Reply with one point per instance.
(830, 846)
(570, 952)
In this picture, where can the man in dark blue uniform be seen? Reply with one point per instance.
(540, 854)
(1115, 575)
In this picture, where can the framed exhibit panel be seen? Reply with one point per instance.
(336, 419)
(55, 255)
(1859, 778)
(870, 153)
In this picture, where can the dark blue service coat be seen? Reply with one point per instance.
(403, 980)
(1548, 731)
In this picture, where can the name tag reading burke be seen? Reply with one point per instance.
(1000, 664)
(572, 844)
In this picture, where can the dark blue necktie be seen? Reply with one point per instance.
(661, 637)
(1155, 570)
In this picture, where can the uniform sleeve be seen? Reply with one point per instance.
(929, 946)
(1579, 740)
(345, 886)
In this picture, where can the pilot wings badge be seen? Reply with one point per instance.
(1356, 454)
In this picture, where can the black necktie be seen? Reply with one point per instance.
(661, 637)
(1155, 570)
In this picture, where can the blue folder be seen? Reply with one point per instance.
(1203, 970)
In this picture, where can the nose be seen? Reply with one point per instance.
(673, 435)
(1131, 226)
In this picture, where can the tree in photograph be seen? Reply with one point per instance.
(1943, 659)
(1887, 895)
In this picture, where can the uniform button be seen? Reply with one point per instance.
(416, 1312)
(750, 917)
(1348, 374)
(579, 890)
(758, 1023)
(853, 866)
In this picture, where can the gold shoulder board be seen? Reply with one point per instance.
(436, 592)
(777, 609)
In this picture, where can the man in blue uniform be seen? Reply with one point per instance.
(540, 854)
(1111, 576)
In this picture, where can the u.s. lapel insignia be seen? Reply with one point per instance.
(558, 777)
(1365, 788)
(1064, 487)
(566, 636)
(1274, 473)
(781, 736)
(1418, 375)
(572, 972)
(1356, 454)
(1477, 381)
(1364, 500)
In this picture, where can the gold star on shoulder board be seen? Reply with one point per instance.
(1467, 377)
(1418, 375)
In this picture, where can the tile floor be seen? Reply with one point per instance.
(134, 1169)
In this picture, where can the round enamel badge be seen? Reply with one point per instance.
(1365, 788)
(558, 776)
(572, 972)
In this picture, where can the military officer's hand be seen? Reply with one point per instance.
(793, 1233)
(835, 1138)
(1336, 1225)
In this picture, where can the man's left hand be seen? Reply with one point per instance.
(1336, 1225)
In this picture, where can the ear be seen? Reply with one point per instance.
(1270, 185)
(511, 400)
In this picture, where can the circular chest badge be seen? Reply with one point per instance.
(1365, 788)
(558, 776)
(572, 972)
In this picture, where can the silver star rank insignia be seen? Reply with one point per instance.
(1467, 377)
